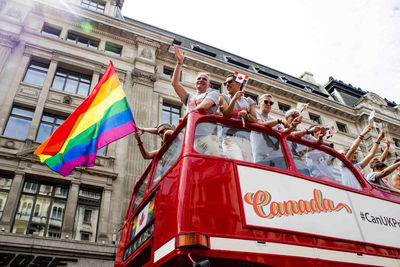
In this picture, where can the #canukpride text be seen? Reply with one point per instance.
(261, 199)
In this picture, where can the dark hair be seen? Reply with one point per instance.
(397, 160)
(379, 166)
(166, 125)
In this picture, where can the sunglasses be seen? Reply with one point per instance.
(268, 102)
(228, 82)
(161, 131)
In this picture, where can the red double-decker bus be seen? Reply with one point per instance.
(220, 193)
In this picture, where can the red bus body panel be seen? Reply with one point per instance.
(201, 194)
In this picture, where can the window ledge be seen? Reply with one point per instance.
(31, 85)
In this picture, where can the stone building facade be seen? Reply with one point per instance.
(52, 53)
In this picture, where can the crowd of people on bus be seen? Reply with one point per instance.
(235, 104)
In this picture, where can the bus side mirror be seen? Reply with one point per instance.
(205, 263)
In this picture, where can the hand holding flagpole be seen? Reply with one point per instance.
(241, 78)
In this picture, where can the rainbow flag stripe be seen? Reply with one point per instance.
(103, 117)
(133, 229)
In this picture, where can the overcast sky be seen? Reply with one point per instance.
(356, 41)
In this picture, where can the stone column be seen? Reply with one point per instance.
(95, 79)
(41, 101)
(107, 8)
(7, 43)
(64, 34)
(103, 233)
(102, 45)
(9, 85)
(12, 201)
(70, 208)
(129, 164)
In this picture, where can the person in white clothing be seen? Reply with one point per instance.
(380, 171)
(205, 100)
(266, 148)
(236, 143)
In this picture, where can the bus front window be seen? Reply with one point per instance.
(225, 141)
(319, 164)
(139, 194)
(169, 157)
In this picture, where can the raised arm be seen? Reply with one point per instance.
(356, 143)
(372, 152)
(385, 153)
(147, 130)
(143, 151)
(388, 170)
(180, 91)
(321, 134)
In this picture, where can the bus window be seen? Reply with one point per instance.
(140, 194)
(319, 164)
(236, 143)
(169, 157)
(267, 150)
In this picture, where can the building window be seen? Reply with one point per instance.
(171, 113)
(85, 236)
(5, 185)
(341, 127)
(216, 86)
(93, 5)
(46, 218)
(315, 119)
(71, 81)
(113, 49)
(36, 73)
(87, 215)
(101, 151)
(168, 72)
(18, 123)
(48, 125)
(50, 31)
(283, 108)
(83, 41)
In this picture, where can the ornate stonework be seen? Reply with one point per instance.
(146, 53)
(144, 77)
(9, 40)
(15, 13)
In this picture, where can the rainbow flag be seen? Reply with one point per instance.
(103, 117)
(240, 78)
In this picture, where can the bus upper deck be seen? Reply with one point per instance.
(227, 194)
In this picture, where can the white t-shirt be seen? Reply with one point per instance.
(371, 177)
(264, 146)
(192, 101)
(243, 103)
